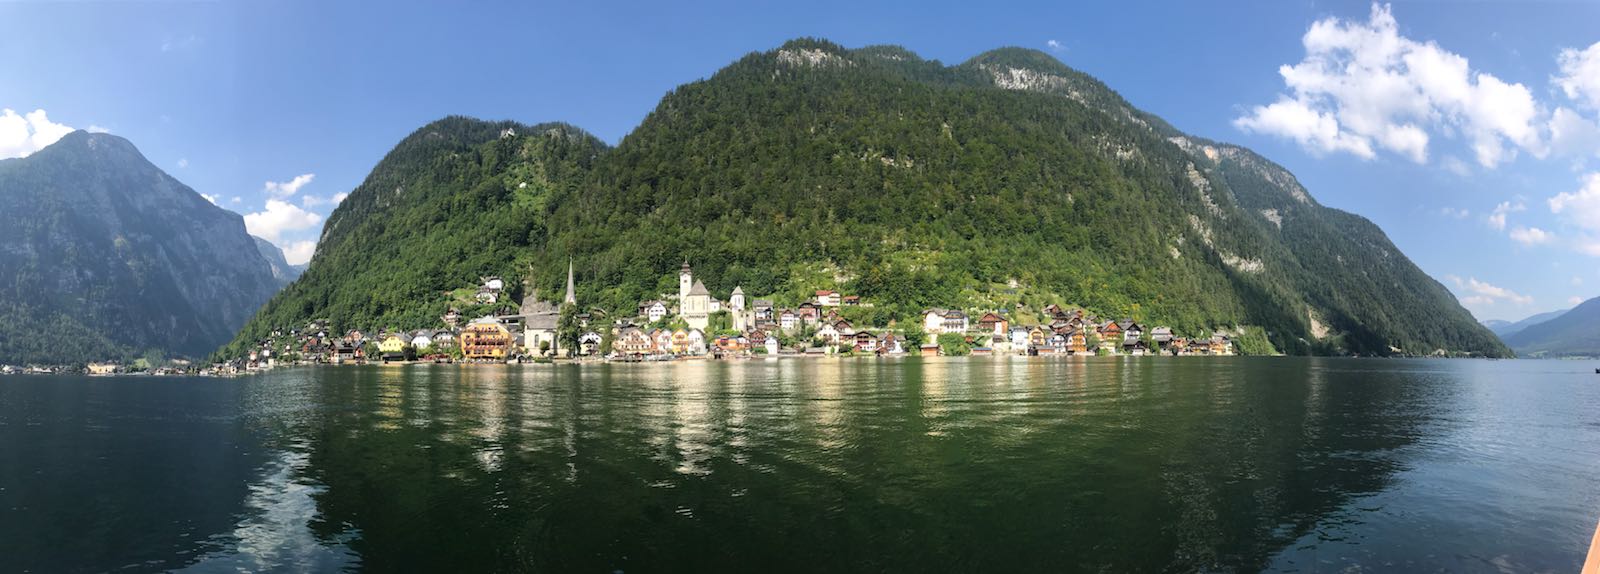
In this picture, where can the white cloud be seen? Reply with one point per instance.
(1363, 87)
(1580, 74)
(1571, 134)
(237, 199)
(298, 252)
(94, 129)
(1497, 218)
(284, 189)
(183, 163)
(310, 201)
(21, 135)
(1483, 293)
(1531, 236)
(1455, 213)
(1055, 46)
(1574, 300)
(210, 198)
(1581, 209)
(279, 217)
(1577, 281)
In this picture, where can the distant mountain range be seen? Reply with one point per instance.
(1009, 181)
(1505, 329)
(1573, 333)
(107, 257)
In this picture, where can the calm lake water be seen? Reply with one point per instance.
(1042, 465)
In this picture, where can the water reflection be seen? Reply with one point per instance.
(275, 533)
(885, 465)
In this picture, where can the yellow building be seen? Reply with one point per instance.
(393, 347)
(485, 338)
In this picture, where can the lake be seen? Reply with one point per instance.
(897, 465)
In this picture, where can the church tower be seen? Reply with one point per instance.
(572, 291)
(685, 282)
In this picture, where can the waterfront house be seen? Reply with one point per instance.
(929, 350)
(865, 342)
(1162, 336)
(1039, 337)
(993, 324)
(890, 344)
(589, 343)
(485, 338)
(788, 320)
(1077, 341)
(102, 368)
(828, 334)
(955, 322)
(1131, 331)
(696, 342)
(444, 340)
(422, 339)
(632, 342)
(1110, 336)
(1019, 339)
(1221, 344)
(661, 341)
(393, 347)
(343, 352)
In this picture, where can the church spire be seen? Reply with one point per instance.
(572, 293)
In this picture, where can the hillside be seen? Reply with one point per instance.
(107, 257)
(1575, 333)
(1007, 180)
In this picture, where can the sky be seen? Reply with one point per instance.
(1468, 130)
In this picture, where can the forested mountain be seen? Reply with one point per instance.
(104, 256)
(1009, 181)
(1575, 333)
(281, 269)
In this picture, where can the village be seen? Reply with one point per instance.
(695, 324)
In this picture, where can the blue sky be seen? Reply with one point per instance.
(1467, 130)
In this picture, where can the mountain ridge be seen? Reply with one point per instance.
(116, 259)
(912, 183)
(1574, 333)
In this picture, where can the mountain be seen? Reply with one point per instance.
(281, 269)
(1008, 181)
(1505, 329)
(1574, 333)
(107, 257)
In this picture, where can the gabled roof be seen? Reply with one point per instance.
(738, 290)
(699, 289)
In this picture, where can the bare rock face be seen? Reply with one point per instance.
(106, 256)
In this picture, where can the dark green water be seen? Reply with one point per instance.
(811, 465)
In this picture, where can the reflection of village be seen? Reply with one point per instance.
(695, 324)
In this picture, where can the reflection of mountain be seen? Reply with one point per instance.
(850, 466)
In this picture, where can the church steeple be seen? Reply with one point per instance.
(572, 292)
